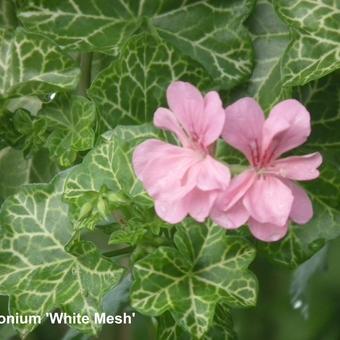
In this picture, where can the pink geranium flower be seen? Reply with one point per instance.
(184, 180)
(265, 195)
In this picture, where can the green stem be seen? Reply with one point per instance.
(117, 252)
(85, 74)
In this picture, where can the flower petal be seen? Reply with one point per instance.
(199, 203)
(243, 126)
(302, 208)
(266, 231)
(210, 124)
(165, 119)
(186, 102)
(269, 200)
(301, 168)
(212, 175)
(162, 166)
(171, 211)
(233, 218)
(238, 187)
(287, 127)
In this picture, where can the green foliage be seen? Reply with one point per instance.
(205, 268)
(79, 84)
(38, 270)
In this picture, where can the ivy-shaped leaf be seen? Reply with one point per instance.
(29, 64)
(206, 267)
(315, 52)
(105, 178)
(131, 88)
(210, 32)
(70, 120)
(221, 328)
(36, 271)
(303, 241)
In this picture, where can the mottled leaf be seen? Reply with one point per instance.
(36, 271)
(70, 120)
(105, 178)
(315, 51)
(29, 64)
(130, 89)
(210, 32)
(206, 267)
(221, 328)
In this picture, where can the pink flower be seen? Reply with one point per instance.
(265, 194)
(184, 179)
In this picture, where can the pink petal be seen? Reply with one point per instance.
(186, 102)
(300, 168)
(302, 208)
(269, 200)
(209, 125)
(162, 166)
(243, 126)
(233, 218)
(266, 231)
(199, 203)
(171, 211)
(212, 175)
(287, 126)
(238, 187)
(165, 119)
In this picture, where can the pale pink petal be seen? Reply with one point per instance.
(302, 208)
(301, 168)
(269, 200)
(243, 126)
(165, 119)
(199, 203)
(209, 125)
(186, 102)
(239, 185)
(288, 126)
(162, 166)
(233, 218)
(171, 211)
(212, 175)
(266, 231)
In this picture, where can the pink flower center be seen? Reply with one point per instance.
(261, 160)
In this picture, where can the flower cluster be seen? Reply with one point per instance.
(187, 180)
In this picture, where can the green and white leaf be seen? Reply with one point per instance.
(107, 171)
(210, 32)
(221, 328)
(37, 271)
(131, 89)
(315, 51)
(31, 65)
(205, 268)
(71, 121)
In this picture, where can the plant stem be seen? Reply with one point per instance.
(85, 73)
(118, 252)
